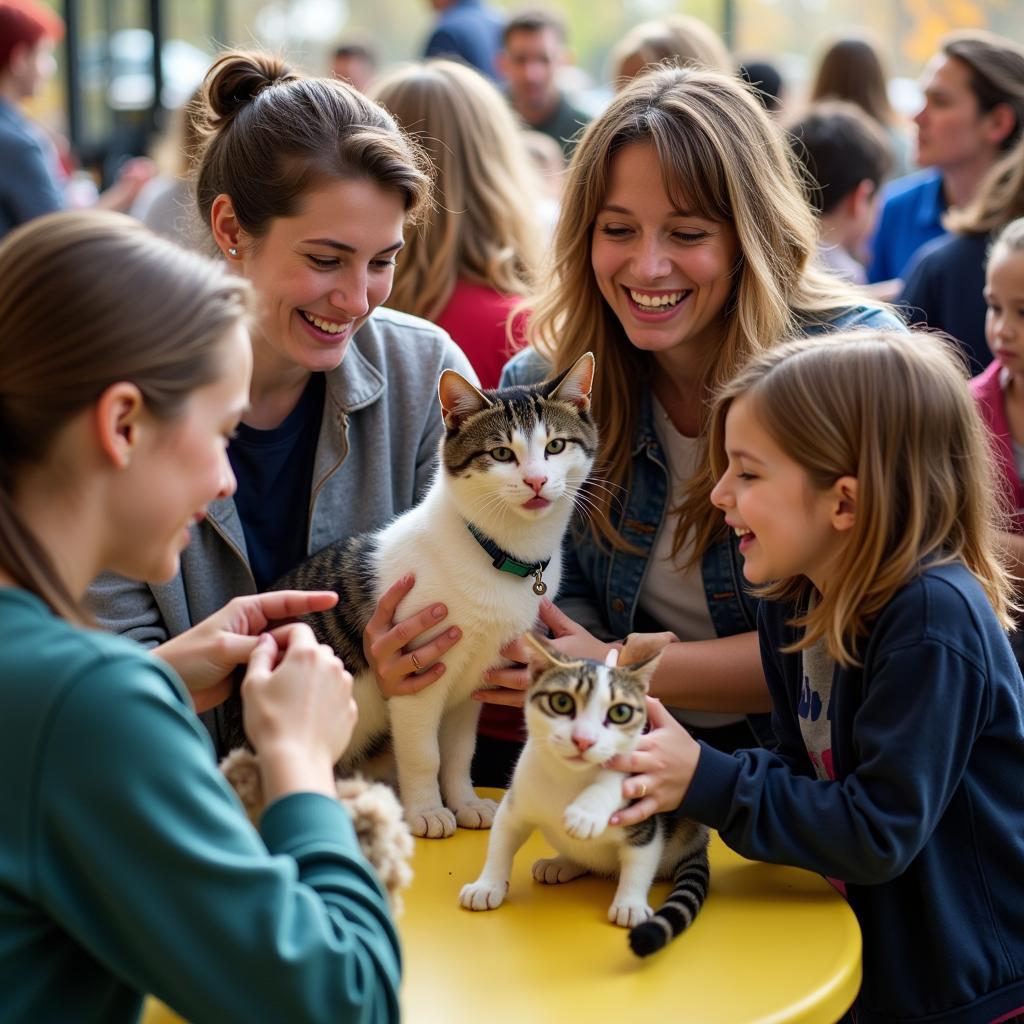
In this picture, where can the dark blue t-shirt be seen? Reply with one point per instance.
(274, 469)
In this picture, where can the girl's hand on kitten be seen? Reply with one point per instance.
(399, 671)
(512, 680)
(207, 655)
(661, 767)
(298, 711)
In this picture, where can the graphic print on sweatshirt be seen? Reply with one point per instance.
(815, 708)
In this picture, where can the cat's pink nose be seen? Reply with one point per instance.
(583, 743)
(536, 482)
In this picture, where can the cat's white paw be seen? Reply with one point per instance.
(435, 823)
(584, 822)
(476, 813)
(556, 870)
(482, 895)
(628, 915)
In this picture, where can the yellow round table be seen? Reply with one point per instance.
(772, 944)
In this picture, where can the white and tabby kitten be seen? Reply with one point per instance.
(486, 541)
(579, 714)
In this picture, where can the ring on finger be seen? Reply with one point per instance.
(416, 662)
(643, 791)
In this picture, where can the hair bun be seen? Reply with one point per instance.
(236, 78)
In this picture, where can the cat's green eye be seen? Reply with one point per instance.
(555, 446)
(620, 714)
(561, 703)
(502, 454)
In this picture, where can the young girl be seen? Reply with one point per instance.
(999, 389)
(476, 254)
(126, 863)
(684, 247)
(306, 188)
(855, 472)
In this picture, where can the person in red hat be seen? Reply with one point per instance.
(33, 182)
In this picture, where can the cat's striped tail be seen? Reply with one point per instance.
(689, 890)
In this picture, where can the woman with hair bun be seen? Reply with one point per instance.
(306, 187)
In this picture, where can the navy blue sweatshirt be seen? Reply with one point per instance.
(925, 818)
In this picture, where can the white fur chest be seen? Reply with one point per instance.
(541, 797)
(491, 607)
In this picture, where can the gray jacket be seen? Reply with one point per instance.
(375, 457)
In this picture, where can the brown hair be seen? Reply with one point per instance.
(272, 136)
(482, 227)
(893, 410)
(722, 157)
(679, 38)
(996, 67)
(839, 146)
(999, 199)
(535, 19)
(133, 307)
(851, 70)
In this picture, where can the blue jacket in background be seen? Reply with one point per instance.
(924, 820)
(468, 31)
(912, 209)
(27, 186)
(601, 586)
(945, 289)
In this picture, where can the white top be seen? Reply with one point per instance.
(672, 595)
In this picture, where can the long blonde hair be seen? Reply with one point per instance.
(723, 158)
(893, 410)
(680, 38)
(482, 227)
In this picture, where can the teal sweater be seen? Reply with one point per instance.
(127, 865)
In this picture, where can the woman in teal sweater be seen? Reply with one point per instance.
(126, 863)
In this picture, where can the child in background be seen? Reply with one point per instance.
(846, 156)
(999, 389)
(855, 470)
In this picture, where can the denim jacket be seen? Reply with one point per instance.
(600, 585)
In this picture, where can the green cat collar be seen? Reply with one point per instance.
(504, 562)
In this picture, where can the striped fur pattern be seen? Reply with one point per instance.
(580, 713)
(512, 462)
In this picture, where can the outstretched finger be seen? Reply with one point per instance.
(556, 620)
(635, 813)
(387, 605)
(277, 605)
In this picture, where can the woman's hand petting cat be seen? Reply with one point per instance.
(399, 671)
(661, 767)
(298, 711)
(207, 655)
(567, 636)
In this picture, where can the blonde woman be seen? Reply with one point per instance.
(683, 249)
(680, 38)
(475, 255)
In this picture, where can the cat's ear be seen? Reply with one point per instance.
(541, 656)
(459, 398)
(641, 653)
(575, 384)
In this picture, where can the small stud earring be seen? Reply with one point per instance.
(232, 251)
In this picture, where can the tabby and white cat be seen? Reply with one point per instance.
(579, 714)
(485, 541)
